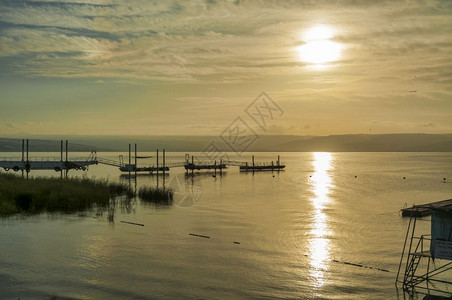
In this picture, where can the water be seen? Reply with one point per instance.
(294, 230)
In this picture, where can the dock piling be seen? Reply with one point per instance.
(163, 162)
(130, 150)
(27, 150)
(61, 158)
(157, 162)
(66, 169)
(135, 162)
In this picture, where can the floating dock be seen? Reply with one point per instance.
(60, 164)
(191, 166)
(47, 163)
(262, 167)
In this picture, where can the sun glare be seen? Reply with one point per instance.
(318, 48)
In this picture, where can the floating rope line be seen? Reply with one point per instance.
(359, 265)
(200, 235)
(132, 223)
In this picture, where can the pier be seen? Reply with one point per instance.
(47, 163)
(263, 166)
(65, 163)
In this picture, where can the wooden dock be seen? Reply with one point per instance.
(424, 210)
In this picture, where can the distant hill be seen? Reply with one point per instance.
(372, 143)
(281, 143)
(44, 145)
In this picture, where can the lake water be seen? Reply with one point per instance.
(292, 231)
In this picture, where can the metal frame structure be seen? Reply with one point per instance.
(421, 272)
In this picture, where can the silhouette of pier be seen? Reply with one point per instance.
(65, 164)
(26, 163)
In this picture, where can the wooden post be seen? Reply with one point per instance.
(278, 161)
(27, 167)
(130, 150)
(23, 153)
(157, 162)
(61, 158)
(67, 146)
(23, 149)
(135, 162)
(163, 162)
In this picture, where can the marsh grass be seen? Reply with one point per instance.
(36, 195)
(156, 195)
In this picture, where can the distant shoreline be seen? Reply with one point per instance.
(263, 143)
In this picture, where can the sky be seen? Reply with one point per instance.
(302, 67)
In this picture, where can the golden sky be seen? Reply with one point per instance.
(192, 67)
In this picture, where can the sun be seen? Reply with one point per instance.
(318, 48)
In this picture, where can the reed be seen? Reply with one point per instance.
(156, 195)
(36, 195)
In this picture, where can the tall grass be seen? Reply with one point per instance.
(156, 195)
(35, 195)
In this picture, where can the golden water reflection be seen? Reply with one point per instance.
(319, 244)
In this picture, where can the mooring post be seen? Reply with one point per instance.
(130, 145)
(193, 165)
(252, 159)
(61, 158)
(27, 165)
(157, 162)
(67, 158)
(23, 149)
(278, 161)
(163, 163)
(135, 163)
(23, 153)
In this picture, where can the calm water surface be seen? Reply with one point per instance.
(293, 229)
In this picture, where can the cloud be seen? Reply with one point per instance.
(219, 41)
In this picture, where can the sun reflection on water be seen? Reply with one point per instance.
(319, 244)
